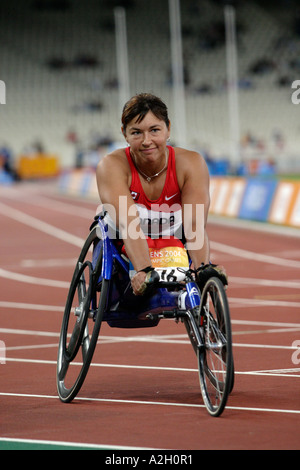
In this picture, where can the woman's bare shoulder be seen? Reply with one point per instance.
(115, 158)
(189, 163)
(183, 155)
(114, 163)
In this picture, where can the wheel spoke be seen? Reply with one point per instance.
(61, 373)
(85, 344)
(81, 286)
(73, 343)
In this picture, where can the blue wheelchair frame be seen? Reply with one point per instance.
(101, 290)
(124, 310)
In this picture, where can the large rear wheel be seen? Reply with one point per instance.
(215, 358)
(82, 320)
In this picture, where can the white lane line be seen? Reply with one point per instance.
(48, 263)
(153, 403)
(260, 257)
(65, 208)
(71, 262)
(27, 306)
(236, 303)
(264, 346)
(52, 203)
(107, 340)
(21, 217)
(233, 301)
(281, 372)
(265, 323)
(144, 339)
(31, 346)
(239, 302)
(33, 280)
(236, 223)
(267, 331)
(32, 222)
(264, 282)
(267, 373)
(274, 327)
(42, 442)
(29, 332)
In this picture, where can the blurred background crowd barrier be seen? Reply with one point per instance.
(224, 68)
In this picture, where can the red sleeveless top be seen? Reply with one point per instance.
(161, 217)
(170, 194)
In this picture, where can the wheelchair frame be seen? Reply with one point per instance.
(107, 277)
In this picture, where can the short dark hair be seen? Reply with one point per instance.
(139, 105)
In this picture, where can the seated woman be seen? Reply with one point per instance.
(154, 192)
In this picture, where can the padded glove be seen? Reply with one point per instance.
(206, 271)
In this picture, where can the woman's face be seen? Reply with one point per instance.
(148, 138)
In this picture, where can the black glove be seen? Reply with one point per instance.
(206, 271)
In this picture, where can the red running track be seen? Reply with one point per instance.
(142, 390)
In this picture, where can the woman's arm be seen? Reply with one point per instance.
(112, 179)
(194, 181)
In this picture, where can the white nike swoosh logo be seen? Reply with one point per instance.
(168, 198)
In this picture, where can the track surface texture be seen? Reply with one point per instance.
(142, 390)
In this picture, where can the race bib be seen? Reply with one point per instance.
(167, 253)
(169, 257)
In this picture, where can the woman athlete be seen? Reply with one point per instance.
(154, 192)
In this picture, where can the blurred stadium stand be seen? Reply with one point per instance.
(58, 61)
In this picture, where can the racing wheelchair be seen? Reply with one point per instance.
(100, 291)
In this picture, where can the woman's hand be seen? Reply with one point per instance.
(138, 283)
(144, 281)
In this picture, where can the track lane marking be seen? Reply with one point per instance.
(48, 263)
(242, 302)
(66, 284)
(38, 224)
(264, 282)
(33, 280)
(76, 445)
(267, 373)
(144, 339)
(260, 257)
(33, 222)
(27, 306)
(145, 402)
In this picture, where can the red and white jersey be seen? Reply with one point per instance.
(161, 217)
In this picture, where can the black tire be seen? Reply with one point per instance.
(82, 328)
(215, 358)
